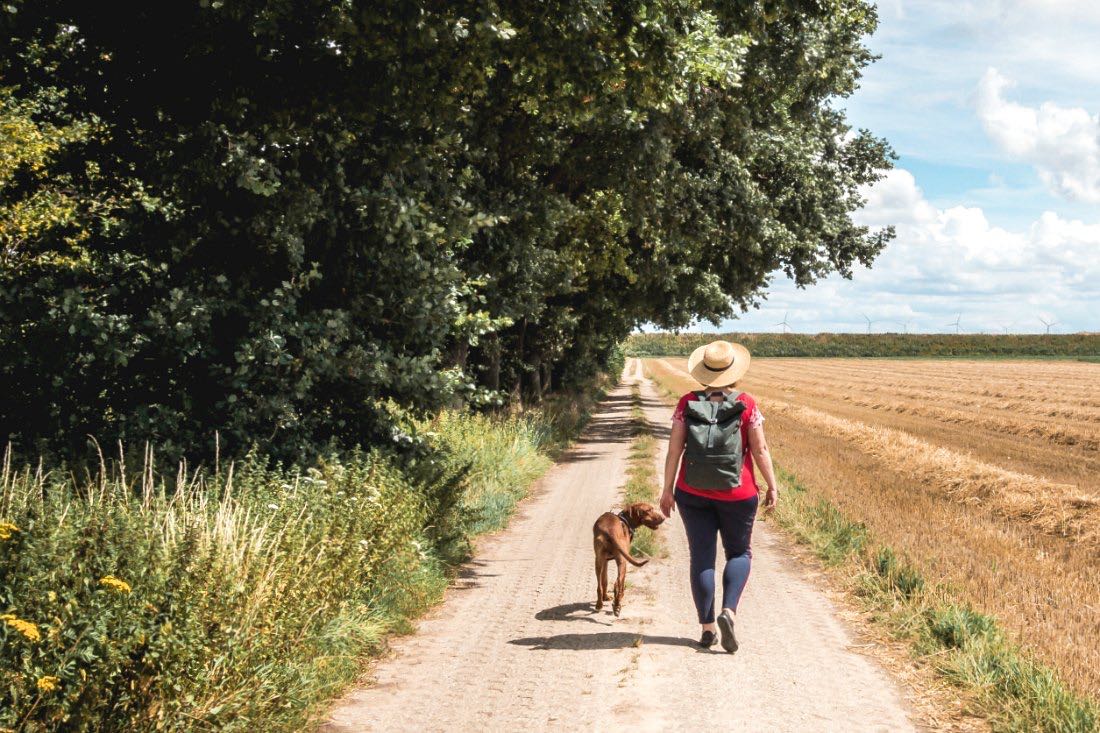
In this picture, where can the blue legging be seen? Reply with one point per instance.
(704, 519)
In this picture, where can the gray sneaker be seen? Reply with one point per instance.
(725, 625)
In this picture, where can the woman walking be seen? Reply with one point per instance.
(717, 437)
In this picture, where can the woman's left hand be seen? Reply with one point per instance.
(668, 501)
(770, 499)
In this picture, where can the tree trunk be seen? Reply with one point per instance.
(492, 348)
(460, 353)
(517, 390)
(536, 382)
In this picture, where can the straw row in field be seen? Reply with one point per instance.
(1072, 385)
(1034, 402)
(1064, 511)
(1067, 381)
(1035, 407)
(1025, 426)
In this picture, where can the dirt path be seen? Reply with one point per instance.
(517, 646)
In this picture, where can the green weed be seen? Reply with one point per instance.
(641, 482)
(964, 646)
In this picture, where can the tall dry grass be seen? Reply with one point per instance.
(1021, 549)
(244, 599)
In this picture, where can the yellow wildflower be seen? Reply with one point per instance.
(6, 530)
(114, 583)
(49, 683)
(26, 628)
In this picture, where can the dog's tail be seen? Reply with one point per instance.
(625, 552)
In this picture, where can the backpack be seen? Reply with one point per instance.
(712, 451)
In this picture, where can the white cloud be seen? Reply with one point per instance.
(951, 261)
(1063, 143)
(1000, 233)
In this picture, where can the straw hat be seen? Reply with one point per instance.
(718, 364)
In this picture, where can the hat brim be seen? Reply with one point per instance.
(707, 377)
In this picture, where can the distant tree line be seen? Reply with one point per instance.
(285, 219)
(1074, 345)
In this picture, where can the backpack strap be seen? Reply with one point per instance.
(701, 395)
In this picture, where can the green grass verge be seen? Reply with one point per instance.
(641, 478)
(1000, 681)
(142, 601)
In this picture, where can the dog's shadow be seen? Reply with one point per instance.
(573, 612)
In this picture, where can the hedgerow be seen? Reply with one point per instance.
(1076, 345)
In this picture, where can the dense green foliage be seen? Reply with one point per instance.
(1075, 345)
(244, 599)
(273, 218)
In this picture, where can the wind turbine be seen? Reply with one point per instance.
(955, 323)
(904, 325)
(869, 321)
(1048, 325)
(786, 326)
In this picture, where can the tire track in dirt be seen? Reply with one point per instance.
(516, 644)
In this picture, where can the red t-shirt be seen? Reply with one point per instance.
(751, 417)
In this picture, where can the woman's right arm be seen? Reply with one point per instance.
(676, 441)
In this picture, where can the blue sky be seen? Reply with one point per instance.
(994, 110)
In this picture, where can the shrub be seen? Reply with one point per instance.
(147, 601)
(159, 605)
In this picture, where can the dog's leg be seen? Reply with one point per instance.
(620, 585)
(604, 594)
(601, 578)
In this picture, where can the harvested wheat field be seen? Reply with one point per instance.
(985, 474)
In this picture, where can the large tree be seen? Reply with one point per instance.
(294, 211)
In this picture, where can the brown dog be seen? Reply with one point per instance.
(611, 535)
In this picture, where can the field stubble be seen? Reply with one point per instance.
(1021, 546)
(953, 410)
